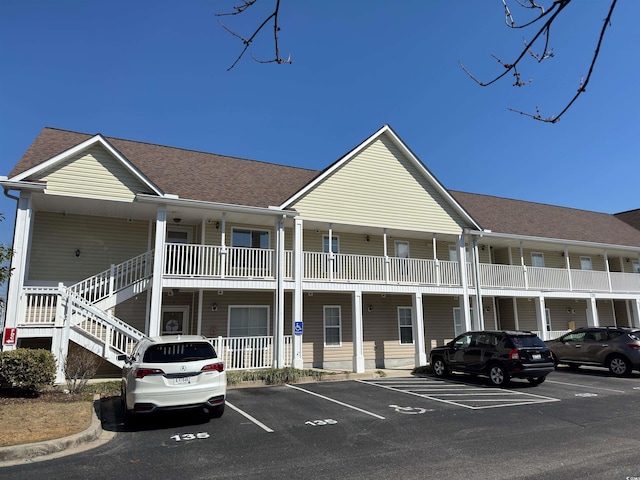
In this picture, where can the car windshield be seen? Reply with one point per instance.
(179, 352)
(527, 341)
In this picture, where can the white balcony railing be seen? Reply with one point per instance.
(246, 353)
(259, 263)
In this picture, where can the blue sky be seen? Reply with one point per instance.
(155, 71)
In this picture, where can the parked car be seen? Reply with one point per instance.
(173, 372)
(501, 355)
(616, 348)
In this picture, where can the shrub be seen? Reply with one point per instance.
(272, 376)
(27, 369)
(79, 367)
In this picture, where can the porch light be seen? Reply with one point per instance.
(370, 308)
(217, 225)
(77, 252)
(214, 307)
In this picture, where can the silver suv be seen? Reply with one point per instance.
(616, 348)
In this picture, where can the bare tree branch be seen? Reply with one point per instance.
(544, 31)
(273, 16)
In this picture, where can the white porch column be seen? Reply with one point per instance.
(24, 217)
(478, 313)
(418, 330)
(541, 317)
(592, 313)
(635, 310)
(358, 341)
(465, 304)
(155, 312)
(278, 323)
(298, 273)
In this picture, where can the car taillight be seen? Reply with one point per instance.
(634, 345)
(218, 367)
(143, 372)
(514, 355)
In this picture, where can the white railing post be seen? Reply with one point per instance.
(438, 273)
(60, 310)
(112, 279)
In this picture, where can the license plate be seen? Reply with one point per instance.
(181, 380)
(536, 356)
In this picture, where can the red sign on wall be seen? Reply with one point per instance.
(10, 336)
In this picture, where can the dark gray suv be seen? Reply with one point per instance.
(616, 348)
(501, 355)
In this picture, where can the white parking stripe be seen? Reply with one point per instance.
(336, 401)
(586, 386)
(246, 415)
(437, 395)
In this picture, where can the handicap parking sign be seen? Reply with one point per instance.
(297, 328)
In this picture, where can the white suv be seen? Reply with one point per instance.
(173, 372)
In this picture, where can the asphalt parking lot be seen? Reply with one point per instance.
(575, 425)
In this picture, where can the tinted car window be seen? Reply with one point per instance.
(463, 341)
(527, 342)
(574, 337)
(179, 352)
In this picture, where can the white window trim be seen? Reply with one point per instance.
(541, 256)
(185, 318)
(267, 307)
(173, 228)
(324, 325)
(250, 229)
(590, 263)
(547, 319)
(335, 238)
(462, 325)
(401, 242)
(405, 326)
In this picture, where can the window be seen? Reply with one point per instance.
(332, 326)
(458, 321)
(547, 318)
(537, 259)
(175, 319)
(402, 249)
(585, 263)
(636, 266)
(250, 238)
(178, 235)
(248, 321)
(335, 244)
(453, 253)
(405, 325)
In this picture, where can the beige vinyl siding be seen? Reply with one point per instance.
(101, 241)
(438, 320)
(94, 173)
(380, 187)
(380, 329)
(133, 311)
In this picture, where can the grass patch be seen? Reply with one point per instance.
(273, 376)
(423, 370)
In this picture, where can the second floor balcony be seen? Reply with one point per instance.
(187, 260)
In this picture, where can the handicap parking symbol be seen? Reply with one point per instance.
(297, 328)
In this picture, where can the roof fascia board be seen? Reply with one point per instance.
(227, 207)
(557, 241)
(18, 185)
(96, 139)
(406, 151)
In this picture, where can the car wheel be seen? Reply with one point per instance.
(619, 365)
(439, 367)
(498, 375)
(217, 411)
(536, 380)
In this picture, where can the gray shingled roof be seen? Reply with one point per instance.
(518, 217)
(217, 178)
(187, 173)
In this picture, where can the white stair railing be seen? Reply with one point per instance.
(116, 278)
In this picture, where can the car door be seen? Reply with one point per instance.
(595, 346)
(459, 350)
(474, 353)
(569, 346)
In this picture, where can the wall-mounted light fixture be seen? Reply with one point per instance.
(177, 220)
(217, 225)
(77, 252)
(214, 307)
(367, 238)
(370, 308)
